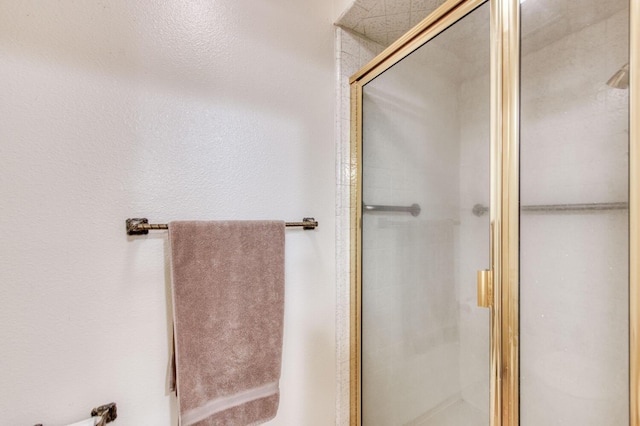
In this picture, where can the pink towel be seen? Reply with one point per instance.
(228, 308)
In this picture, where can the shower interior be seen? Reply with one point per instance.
(426, 141)
(426, 133)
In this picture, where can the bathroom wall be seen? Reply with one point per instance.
(187, 110)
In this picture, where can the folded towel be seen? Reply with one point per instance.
(228, 307)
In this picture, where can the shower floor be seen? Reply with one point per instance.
(460, 413)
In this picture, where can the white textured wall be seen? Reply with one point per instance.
(180, 110)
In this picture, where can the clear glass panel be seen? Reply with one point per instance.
(574, 262)
(426, 134)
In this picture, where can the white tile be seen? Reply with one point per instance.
(349, 42)
(399, 22)
(367, 4)
(419, 5)
(379, 37)
(375, 25)
(397, 6)
(377, 10)
(353, 16)
(395, 35)
(349, 64)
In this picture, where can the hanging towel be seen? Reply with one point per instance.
(228, 308)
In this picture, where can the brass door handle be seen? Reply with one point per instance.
(485, 288)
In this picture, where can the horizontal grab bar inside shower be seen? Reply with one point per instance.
(480, 210)
(414, 209)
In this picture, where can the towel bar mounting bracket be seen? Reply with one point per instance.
(309, 219)
(133, 226)
(108, 412)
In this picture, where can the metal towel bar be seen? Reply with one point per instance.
(141, 225)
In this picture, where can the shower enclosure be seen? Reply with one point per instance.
(495, 205)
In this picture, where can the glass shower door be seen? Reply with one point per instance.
(574, 221)
(425, 232)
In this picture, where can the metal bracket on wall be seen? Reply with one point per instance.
(134, 228)
(106, 412)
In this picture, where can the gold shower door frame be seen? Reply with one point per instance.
(504, 207)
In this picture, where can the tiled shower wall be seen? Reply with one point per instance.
(352, 53)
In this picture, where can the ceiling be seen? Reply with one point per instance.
(384, 21)
(543, 22)
(546, 21)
